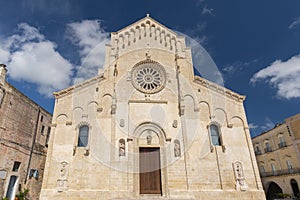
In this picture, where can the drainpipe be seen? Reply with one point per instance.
(33, 142)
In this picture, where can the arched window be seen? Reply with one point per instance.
(273, 169)
(83, 136)
(282, 142)
(289, 166)
(262, 169)
(215, 135)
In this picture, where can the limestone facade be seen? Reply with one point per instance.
(278, 157)
(24, 129)
(146, 127)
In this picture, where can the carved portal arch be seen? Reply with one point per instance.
(147, 127)
(151, 137)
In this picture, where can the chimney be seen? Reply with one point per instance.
(3, 72)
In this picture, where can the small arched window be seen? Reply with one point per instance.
(215, 135)
(83, 136)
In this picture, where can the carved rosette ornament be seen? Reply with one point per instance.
(148, 76)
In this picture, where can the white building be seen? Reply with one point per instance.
(147, 127)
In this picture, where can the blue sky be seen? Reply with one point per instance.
(255, 45)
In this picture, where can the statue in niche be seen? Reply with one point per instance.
(239, 177)
(121, 147)
(177, 151)
(149, 139)
(62, 180)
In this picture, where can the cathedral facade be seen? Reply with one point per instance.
(146, 127)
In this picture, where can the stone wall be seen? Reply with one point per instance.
(21, 122)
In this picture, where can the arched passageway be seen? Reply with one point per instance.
(295, 187)
(273, 190)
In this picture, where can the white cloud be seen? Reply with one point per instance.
(295, 23)
(31, 58)
(268, 125)
(4, 55)
(282, 75)
(253, 126)
(235, 68)
(207, 11)
(41, 64)
(91, 38)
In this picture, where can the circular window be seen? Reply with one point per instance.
(148, 77)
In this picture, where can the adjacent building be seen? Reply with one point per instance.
(278, 156)
(24, 134)
(147, 128)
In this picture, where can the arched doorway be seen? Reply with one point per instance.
(150, 144)
(295, 187)
(273, 190)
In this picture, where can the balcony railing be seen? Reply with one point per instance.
(280, 172)
(268, 149)
(258, 152)
(282, 145)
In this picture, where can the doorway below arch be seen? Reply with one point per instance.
(295, 187)
(150, 174)
(273, 191)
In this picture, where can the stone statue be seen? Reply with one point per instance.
(121, 147)
(177, 151)
(149, 139)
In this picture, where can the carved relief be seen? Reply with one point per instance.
(240, 182)
(175, 124)
(122, 147)
(62, 180)
(177, 151)
(122, 122)
(149, 139)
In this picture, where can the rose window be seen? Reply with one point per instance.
(148, 77)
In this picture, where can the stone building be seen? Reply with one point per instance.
(146, 127)
(278, 157)
(24, 132)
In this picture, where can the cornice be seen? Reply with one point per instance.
(219, 89)
(69, 90)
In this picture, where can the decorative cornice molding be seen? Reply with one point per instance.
(80, 85)
(219, 89)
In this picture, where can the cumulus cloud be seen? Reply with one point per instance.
(282, 75)
(91, 38)
(4, 55)
(39, 63)
(33, 59)
(295, 23)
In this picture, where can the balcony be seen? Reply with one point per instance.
(258, 152)
(268, 149)
(282, 145)
(280, 172)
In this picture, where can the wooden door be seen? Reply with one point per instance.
(150, 176)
